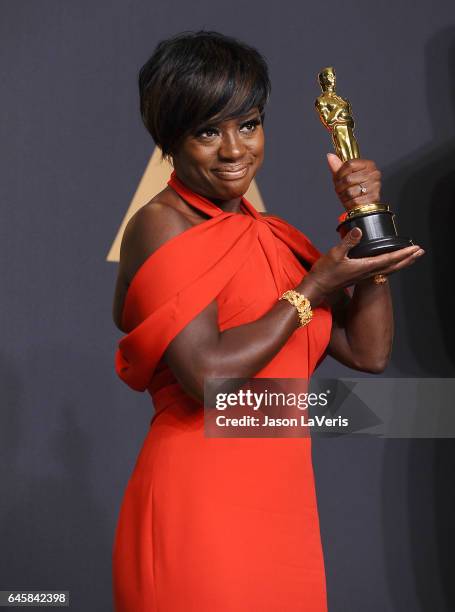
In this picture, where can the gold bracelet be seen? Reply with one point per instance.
(379, 279)
(301, 303)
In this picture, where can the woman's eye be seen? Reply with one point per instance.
(251, 124)
(206, 133)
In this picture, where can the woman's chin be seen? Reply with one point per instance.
(231, 189)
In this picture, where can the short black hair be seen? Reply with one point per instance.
(195, 77)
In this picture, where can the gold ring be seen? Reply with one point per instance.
(379, 279)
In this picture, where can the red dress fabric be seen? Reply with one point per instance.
(217, 524)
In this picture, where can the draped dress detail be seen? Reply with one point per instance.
(217, 524)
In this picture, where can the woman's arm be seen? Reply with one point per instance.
(200, 350)
(362, 330)
(363, 327)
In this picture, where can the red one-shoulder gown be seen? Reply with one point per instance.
(217, 524)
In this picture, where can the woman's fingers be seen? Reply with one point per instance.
(349, 179)
(350, 240)
(351, 166)
(355, 178)
(374, 263)
(354, 196)
(336, 269)
(408, 261)
(379, 262)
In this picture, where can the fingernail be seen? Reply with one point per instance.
(419, 252)
(356, 232)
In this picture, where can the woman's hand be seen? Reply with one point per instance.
(357, 181)
(336, 270)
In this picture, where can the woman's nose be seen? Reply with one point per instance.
(231, 147)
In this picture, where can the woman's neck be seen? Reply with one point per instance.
(227, 205)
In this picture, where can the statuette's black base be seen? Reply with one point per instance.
(379, 234)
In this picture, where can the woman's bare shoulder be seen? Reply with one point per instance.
(146, 231)
(149, 228)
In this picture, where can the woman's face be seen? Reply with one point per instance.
(220, 160)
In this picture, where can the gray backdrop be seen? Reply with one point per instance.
(73, 151)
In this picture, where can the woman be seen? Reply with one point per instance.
(228, 524)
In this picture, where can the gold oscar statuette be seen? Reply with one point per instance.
(375, 219)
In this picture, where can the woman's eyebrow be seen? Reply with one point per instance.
(241, 119)
(254, 113)
(248, 116)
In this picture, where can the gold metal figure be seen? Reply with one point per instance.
(336, 115)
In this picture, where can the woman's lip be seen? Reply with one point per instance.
(229, 175)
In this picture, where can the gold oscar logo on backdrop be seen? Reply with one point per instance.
(153, 181)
